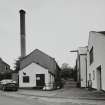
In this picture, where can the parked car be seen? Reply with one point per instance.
(8, 84)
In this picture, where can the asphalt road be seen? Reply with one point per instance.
(26, 100)
(13, 101)
(15, 98)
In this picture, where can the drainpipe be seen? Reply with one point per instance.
(79, 69)
(86, 71)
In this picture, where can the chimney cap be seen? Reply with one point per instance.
(22, 11)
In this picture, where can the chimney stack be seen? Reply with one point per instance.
(22, 33)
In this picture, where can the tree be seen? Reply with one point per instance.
(17, 64)
(66, 71)
(64, 65)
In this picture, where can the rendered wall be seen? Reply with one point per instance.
(97, 41)
(31, 71)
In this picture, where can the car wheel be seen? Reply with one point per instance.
(14, 89)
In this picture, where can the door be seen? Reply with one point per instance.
(99, 82)
(40, 80)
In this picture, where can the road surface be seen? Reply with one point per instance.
(16, 99)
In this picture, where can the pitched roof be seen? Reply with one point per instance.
(4, 67)
(1, 60)
(102, 32)
(40, 58)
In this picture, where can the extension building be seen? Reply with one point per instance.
(96, 59)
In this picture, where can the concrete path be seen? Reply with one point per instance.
(73, 93)
(69, 91)
(66, 94)
(53, 97)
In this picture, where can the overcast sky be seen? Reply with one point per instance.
(53, 26)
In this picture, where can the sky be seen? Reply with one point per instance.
(52, 26)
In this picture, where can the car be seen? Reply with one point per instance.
(8, 84)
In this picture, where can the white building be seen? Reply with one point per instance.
(81, 64)
(38, 70)
(96, 59)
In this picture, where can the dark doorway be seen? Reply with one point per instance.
(99, 81)
(40, 80)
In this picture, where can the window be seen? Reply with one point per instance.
(89, 76)
(91, 55)
(25, 79)
(93, 75)
(6, 68)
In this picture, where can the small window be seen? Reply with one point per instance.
(6, 68)
(91, 55)
(25, 79)
(93, 75)
(89, 76)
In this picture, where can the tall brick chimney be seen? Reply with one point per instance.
(22, 33)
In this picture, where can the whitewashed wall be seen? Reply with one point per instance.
(78, 72)
(83, 70)
(81, 65)
(97, 40)
(31, 71)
